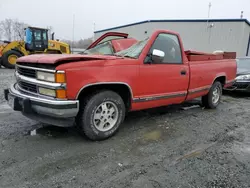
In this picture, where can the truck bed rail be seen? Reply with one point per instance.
(201, 56)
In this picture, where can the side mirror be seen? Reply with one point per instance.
(158, 55)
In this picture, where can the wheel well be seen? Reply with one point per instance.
(221, 79)
(17, 50)
(121, 89)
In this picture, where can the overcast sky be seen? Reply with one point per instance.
(111, 13)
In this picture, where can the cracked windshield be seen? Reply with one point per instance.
(102, 94)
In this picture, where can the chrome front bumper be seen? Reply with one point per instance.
(55, 112)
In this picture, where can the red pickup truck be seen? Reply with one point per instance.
(94, 92)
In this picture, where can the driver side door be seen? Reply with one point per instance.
(164, 82)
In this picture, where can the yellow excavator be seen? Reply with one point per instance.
(36, 41)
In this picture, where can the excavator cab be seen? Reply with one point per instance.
(36, 39)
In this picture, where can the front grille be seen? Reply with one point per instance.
(27, 86)
(26, 72)
(241, 85)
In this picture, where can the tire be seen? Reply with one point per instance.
(211, 100)
(5, 58)
(96, 122)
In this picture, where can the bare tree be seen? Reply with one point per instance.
(18, 30)
(6, 26)
(12, 29)
(82, 43)
(50, 31)
(1, 33)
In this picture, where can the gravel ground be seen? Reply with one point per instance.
(165, 147)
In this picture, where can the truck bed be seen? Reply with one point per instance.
(201, 56)
(204, 68)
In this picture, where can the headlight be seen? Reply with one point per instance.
(45, 76)
(46, 91)
(58, 77)
(243, 77)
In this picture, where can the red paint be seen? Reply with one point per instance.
(118, 45)
(145, 80)
(122, 44)
(55, 58)
(109, 34)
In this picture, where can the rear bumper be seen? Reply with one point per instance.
(55, 112)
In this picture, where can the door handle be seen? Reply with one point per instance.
(183, 72)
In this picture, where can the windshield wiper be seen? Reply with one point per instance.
(129, 56)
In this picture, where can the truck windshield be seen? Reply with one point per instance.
(134, 51)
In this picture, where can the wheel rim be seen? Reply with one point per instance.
(105, 116)
(12, 59)
(216, 95)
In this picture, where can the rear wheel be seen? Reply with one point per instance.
(212, 99)
(101, 115)
(9, 58)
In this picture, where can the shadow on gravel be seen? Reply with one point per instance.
(150, 114)
(132, 118)
(54, 131)
(237, 94)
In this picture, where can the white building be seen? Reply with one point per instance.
(200, 35)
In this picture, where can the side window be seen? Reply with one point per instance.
(44, 35)
(38, 35)
(169, 44)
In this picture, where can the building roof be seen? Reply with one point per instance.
(186, 20)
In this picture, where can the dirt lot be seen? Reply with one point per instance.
(167, 147)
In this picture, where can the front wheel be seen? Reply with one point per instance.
(212, 99)
(101, 115)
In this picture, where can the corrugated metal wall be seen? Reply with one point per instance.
(200, 36)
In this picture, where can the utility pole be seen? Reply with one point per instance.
(208, 15)
(73, 33)
(241, 14)
(208, 26)
(93, 39)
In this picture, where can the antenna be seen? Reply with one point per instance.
(241, 14)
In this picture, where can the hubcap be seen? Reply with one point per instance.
(216, 95)
(12, 59)
(106, 116)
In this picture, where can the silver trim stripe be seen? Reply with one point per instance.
(40, 83)
(43, 100)
(145, 99)
(34, 68)
(197, 90)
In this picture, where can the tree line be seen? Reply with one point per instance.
(13, 29)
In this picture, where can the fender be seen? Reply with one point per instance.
(219, 75)
(103, 83)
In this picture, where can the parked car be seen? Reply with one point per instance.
(96, 91)
(242, 80)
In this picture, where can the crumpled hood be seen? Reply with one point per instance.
(56, 58)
